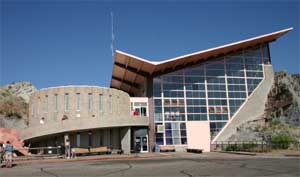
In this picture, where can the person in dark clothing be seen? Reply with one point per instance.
(1, 153)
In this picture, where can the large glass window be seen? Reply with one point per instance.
(159, 138)
(266, 54)
(46, 104)
(110, 103)
(175, 133)
(55, 103)
(66, 102)
(139, 109)
(156, 87)
(101, 102)
(90, 102)
(78, 101)
(210, 91)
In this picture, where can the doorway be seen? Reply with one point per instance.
(141, 143)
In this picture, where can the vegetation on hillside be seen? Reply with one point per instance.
(14, 99)
(13, 106)
(280, 123)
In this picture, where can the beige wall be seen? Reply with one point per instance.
(198, 135)
(78, 120)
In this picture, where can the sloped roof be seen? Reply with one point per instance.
(130, 71)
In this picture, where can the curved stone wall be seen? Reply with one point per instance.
(69, 108)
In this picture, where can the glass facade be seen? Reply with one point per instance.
(211, 91)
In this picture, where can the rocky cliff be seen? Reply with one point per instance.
(14, 99)
(20, 89)
(282, 112)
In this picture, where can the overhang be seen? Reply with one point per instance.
(130, 72)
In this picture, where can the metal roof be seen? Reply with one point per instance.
(130, 72)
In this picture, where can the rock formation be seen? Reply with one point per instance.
(282, 112)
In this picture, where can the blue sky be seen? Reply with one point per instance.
(51, 43)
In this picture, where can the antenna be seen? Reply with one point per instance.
(112, 34)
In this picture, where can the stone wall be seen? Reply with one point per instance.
(45, 120)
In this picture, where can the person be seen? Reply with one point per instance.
(67, 149)
(1, 153)
(8, 154)
(73, 153)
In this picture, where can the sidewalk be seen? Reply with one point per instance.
(28, 161)
(274, 153)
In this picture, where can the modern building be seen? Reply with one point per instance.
(189, 101)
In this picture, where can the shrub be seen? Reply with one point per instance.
(13, 106)
(5, 93)
(281, 141)
(249, 146)
(232, 147)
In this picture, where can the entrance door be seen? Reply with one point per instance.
(144, 143)
(141, 143)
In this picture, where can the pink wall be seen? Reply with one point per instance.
(198, 135)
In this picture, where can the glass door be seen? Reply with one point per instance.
(144, 143)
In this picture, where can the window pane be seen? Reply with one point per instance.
(90, 102)
(66, 102)
(78, 101)
(100, 102)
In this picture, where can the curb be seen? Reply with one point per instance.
(238, 152)
(292, 155)
(49, 161)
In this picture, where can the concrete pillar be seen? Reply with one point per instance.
(151, 130)
(125, 139)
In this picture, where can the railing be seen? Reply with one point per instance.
(42, 151)
(59, 151)
(47, 150)
(253, 146)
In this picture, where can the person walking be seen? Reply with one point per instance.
(73, 152)
(1, 154)
(67, 149)
(8, 154)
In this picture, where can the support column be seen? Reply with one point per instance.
(151, 130)
(125, 139)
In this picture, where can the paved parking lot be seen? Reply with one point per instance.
(177, 164)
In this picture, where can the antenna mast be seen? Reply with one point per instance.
(112, 34)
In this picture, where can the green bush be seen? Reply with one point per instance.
(249, 146)
(5, 93)
(13, 106)
(232, 147)
(281, 141)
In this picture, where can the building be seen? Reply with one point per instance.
(189, 101)
(89, 116)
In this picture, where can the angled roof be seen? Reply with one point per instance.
(130, 72)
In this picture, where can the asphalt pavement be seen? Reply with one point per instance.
(171, 165)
